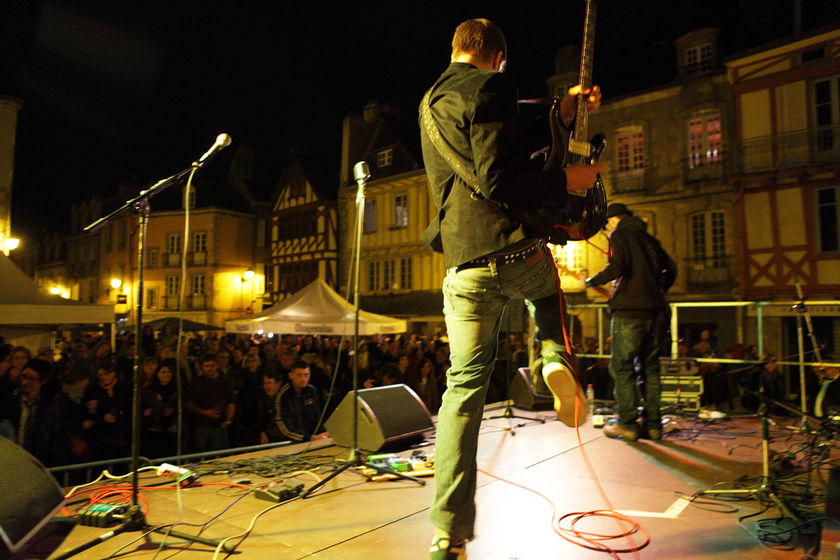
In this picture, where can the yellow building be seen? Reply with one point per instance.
(399, 275)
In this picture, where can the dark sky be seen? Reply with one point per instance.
(131, 91)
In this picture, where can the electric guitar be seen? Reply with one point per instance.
(586, 211)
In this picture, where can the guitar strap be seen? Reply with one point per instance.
(462, 167)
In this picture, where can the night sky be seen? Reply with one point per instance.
(119, 92)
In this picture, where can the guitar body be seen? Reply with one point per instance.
(586, 211)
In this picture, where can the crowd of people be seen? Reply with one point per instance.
(73, 403)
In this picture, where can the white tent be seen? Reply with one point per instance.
(316, 309)
(23, 303)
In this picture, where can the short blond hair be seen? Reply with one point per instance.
(480, 38)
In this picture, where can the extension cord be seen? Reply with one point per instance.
(182, 475)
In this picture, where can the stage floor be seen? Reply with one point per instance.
(352, 519)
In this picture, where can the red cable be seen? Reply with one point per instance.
(590, 543)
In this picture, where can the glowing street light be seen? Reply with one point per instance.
(248, 275)
(116, 283)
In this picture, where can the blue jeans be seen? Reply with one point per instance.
(473, 302)
(636, 339)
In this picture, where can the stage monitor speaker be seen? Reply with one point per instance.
(523, 395)
(387, 415)
(29, 497)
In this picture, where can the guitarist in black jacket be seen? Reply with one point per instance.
(641, 272)
(478, 170)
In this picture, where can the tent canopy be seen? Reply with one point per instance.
(316, 309)
(23, 303)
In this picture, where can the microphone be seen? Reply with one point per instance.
(222, 141)
(361, 172)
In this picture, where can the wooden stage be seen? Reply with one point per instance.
(352, 519)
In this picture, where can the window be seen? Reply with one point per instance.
(387, 275)
(704, 141)
(173, 285)
(153, 258)
(370, 216)
(828, 219)
(384, 158)
(630, 144)
(401, 211)
(826, 112)
(708, 239)
(698, 59)
(200, 242)
(198, 285)
(405, 273)
(151, 298)
(173, 243)
(373, 276)
(109, 232)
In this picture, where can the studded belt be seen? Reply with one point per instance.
(503, 258)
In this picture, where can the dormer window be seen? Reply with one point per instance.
(384, 158)
(698, 59)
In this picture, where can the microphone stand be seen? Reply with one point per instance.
(134, 519)
(767, 487)
(361, 172)
(804, 317)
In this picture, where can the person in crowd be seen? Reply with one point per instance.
(160, 412)
(71, 429)
(168, 336)
(31, 413)
(210, 401)
(297, 408)
(246, 382)
(11, 368)
(108, 405)
(641, 272)
(267, 410)
(389, 374)
(424, 382)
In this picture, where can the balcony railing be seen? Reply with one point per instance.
(815, 146)
(710, 273)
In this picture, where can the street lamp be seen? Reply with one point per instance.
(8, 244)
(116, 283)
(248, 274)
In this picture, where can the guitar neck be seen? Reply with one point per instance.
(586, 59)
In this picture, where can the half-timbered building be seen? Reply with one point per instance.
(787, 107)
(303, 231)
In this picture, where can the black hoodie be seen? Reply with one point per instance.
(640, 270)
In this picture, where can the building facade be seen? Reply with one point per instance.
(399, 275)
(669, 157)
(787, 179)
(303, 230)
